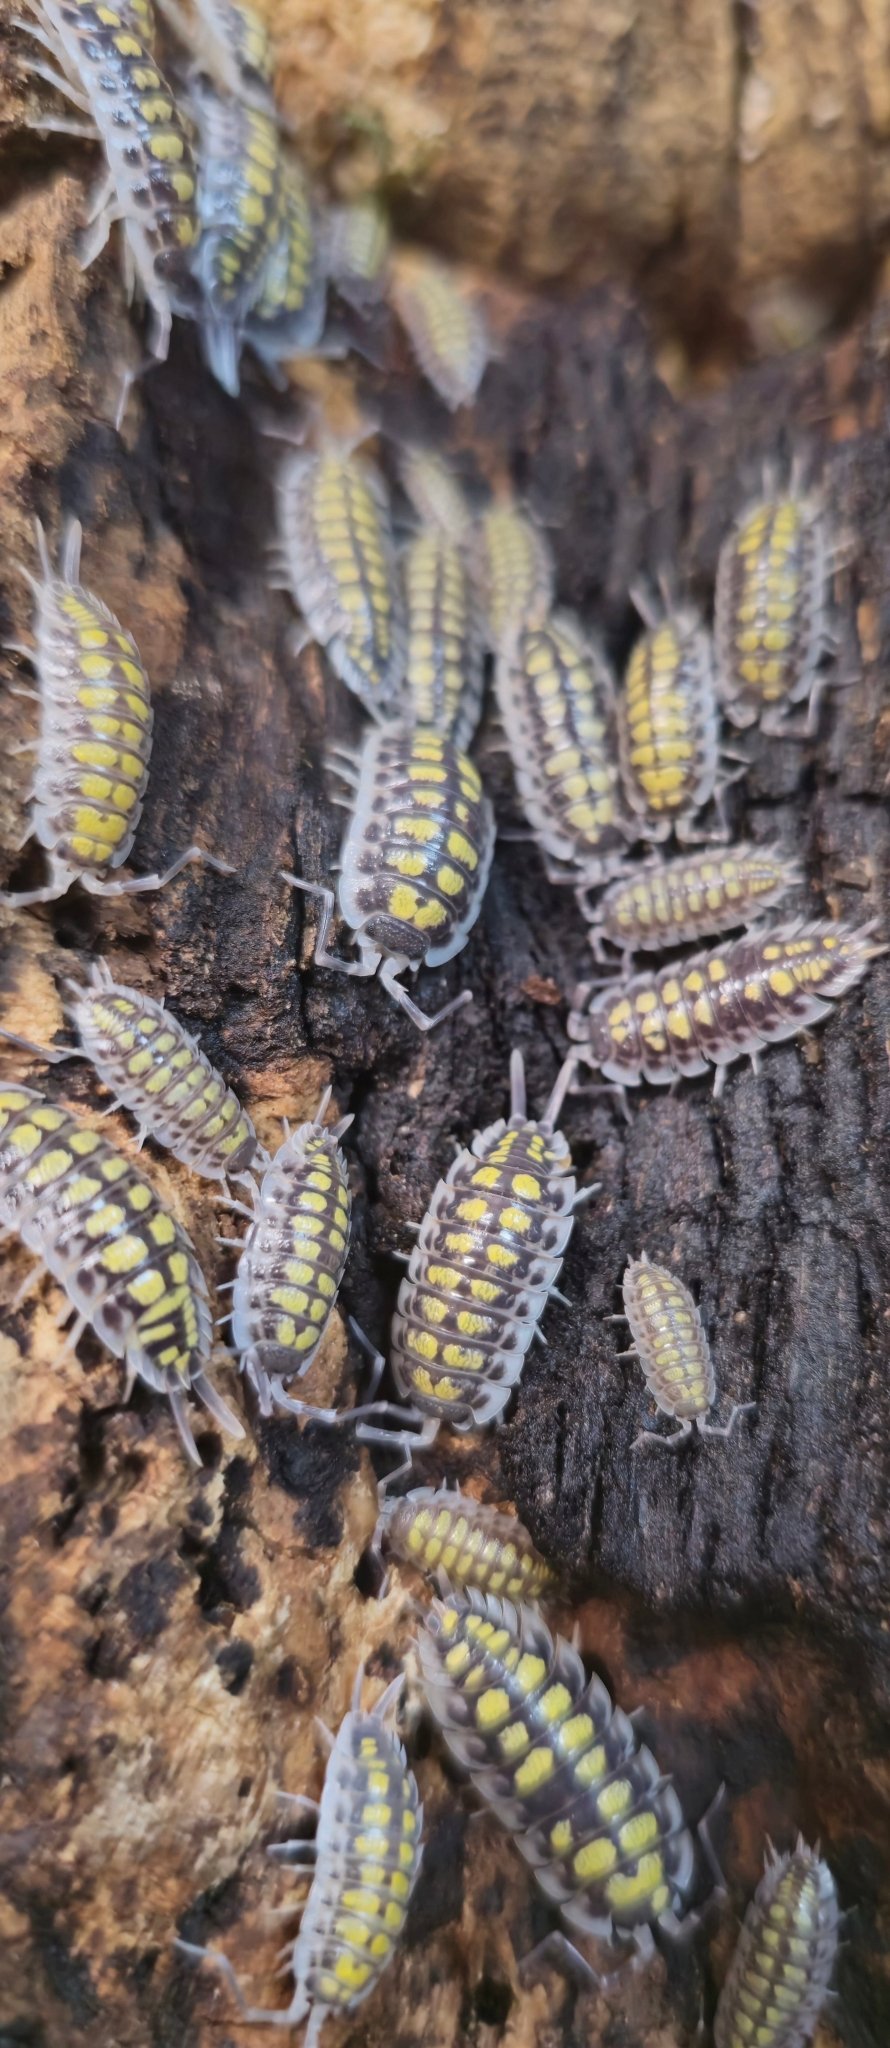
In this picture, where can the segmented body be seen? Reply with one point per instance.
(668, 725)
(430, 485)
(418, 848)
(142, 15)
(446, 329)
(288, 316)
(293, 1260)
(152, 172)
(240, 206)
(559, 1765)
(125, 1263)
(444, 674)
(487, 1256)
(357, 245)
(231, 44)
(771, 610)
(95, 726)
(553, 692)
(717, 1007)
(334, 528)
(780, 1974)
(472, 1543)
(515, 575)
(692, 896)
(157, 1069)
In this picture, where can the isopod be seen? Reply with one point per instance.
(448, 1531)
(430, 485)
(95, 737)
(112, 80)
(339, 562)
(444, 670)
(515, 574)
(718, 1007)
(781, 1971)
(445, 327)
(127, 1266)
(363, 1863)
(668, 728)
(357, 241)
(241, 212)
(562, 1769)
(287, 319)
(231, 45)
(771, 626)
(673, 1350)
(690, 897)
(414, 863)
(554, 695)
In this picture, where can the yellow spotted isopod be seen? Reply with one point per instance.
(441, 1530)
(669, 1339)
(780, 1974)
(771, 621)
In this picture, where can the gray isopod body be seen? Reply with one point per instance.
(780, 1974)
(665, 903)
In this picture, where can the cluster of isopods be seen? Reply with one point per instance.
(220, 226)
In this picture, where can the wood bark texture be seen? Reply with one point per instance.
(170, 1636)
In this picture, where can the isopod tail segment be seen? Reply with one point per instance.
(390, 966)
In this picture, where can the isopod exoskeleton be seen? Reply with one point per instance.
(561, 1768)
(357, 239)
(669, 1340)
(665, 903)
(780, 1974)
(514, 572)
(95, 737)
(287, 318)
(125, 103)
(445, 327)
(363, 1865)
(431, 487)
(241, 212)
(721, 1006)
(292, 1260)
(231, 45)
(444, 1530)
(444, 662)
(668, 726)
(126, 1264)
(771, 612)
(414, 862)
(339, 561)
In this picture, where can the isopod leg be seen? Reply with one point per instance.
(558, 1949)
(253, 2015)
(216, 1406)
(667, 1443)
(181, 1419)
(139, 883)
(388, 973)
(725, 1429)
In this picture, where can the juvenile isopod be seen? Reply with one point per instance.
(431, 487)
(127, 1266)
(363, 1865)
(95, 737)
(338, 559)
(721, 1006)
(771, 616)
(444, 661)
(515, 574)
(780, 1974)
(287, 318)
(111, 78)
(665, 903)
(555, 699)
(668, 726)
(562, 1769)
(445, 1531)
(357, 240)
(445, 326)
(414, 862)
(292, 1260)
(241, 214)
(669, 1340)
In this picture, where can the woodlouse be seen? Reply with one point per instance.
(230, 43)
(363, 1863)
(288, 316)
(780, 1974)
(95, 736)
(665, 903)
(444, 668)
(414, 862)
(720, 1006)
(444, 1530)
(127, 1266)
(515, 574)
(445, 327)
(771, 612)
(241, 213)
(668, 729)
(669, 1340)
(339, 562)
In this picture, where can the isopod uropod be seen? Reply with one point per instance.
(444, 668)
(771, 612)
(487, 1258)
(720, 1006)
(113, 81)
(127, 1266)
(363, 1863)
(780, 1974)
(668, 735)
(554, 696)
(339, 562)
(95, 736)
(445, 327)
(240, 208)
(474, 1544)
(562, 1769)
(663, 904)
(414, 862)
(670, 1342)
(292, 1260)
